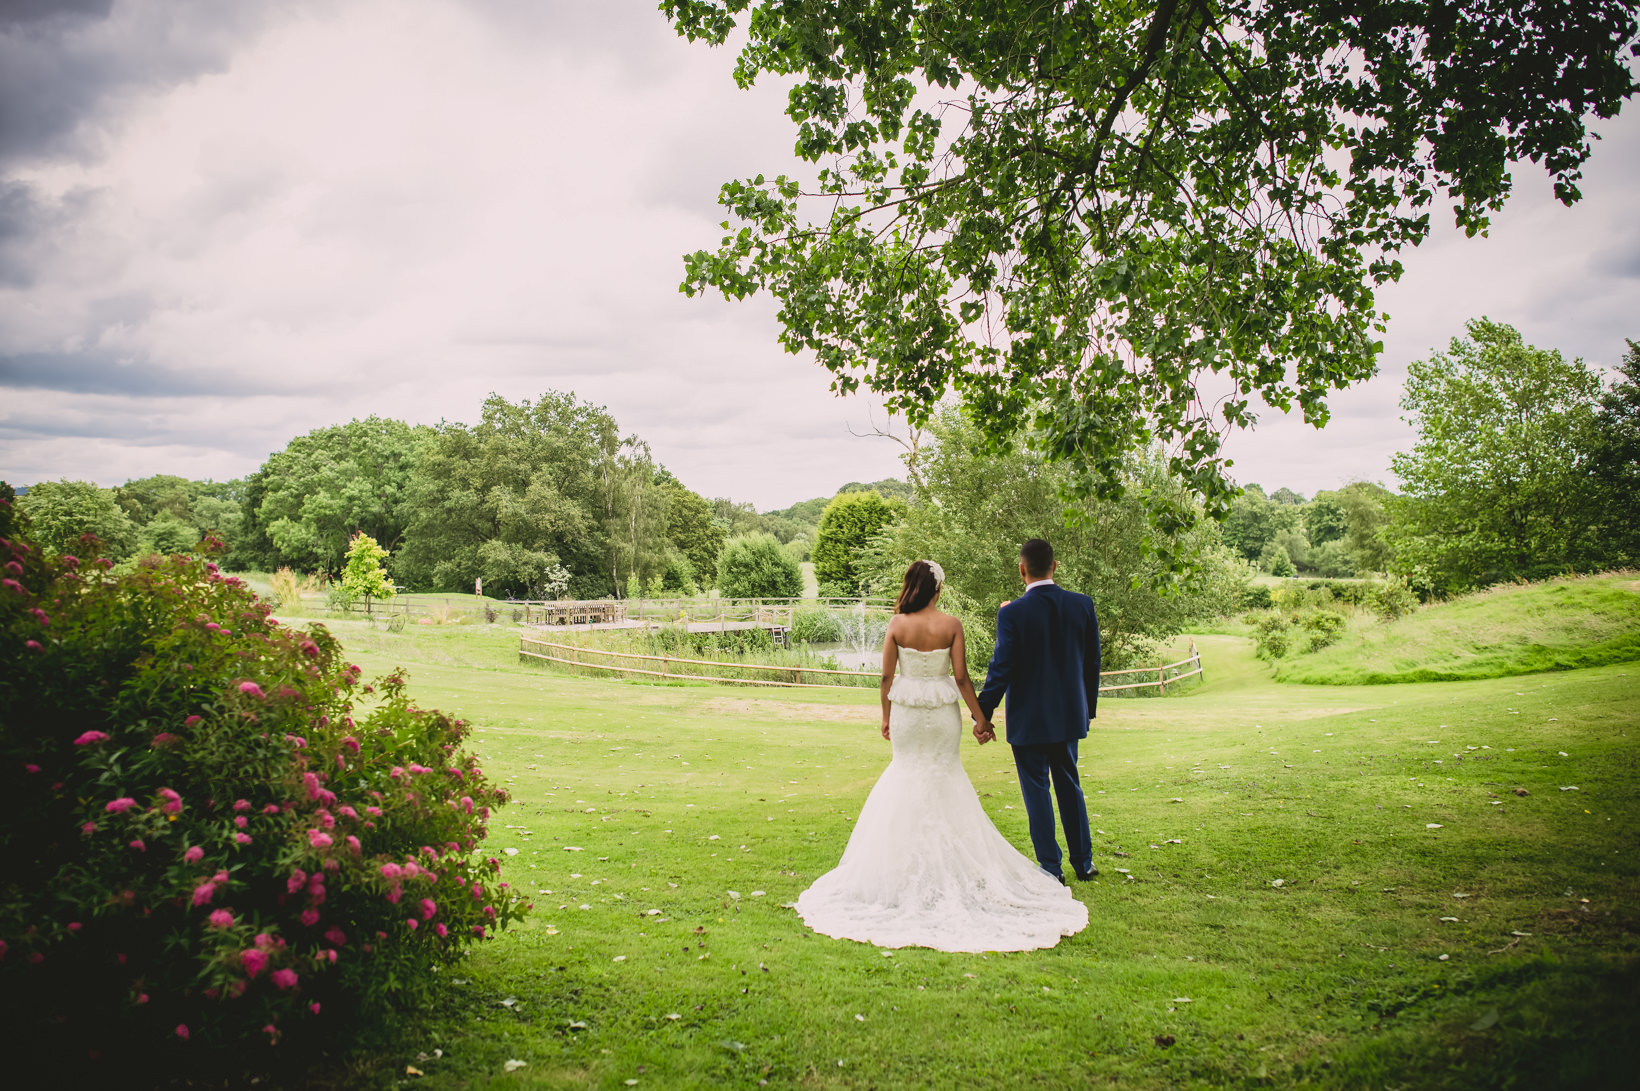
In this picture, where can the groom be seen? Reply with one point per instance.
(1047, 662)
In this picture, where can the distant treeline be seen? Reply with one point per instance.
(1526, 465)
(538, 499)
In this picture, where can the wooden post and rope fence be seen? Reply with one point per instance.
(576, 651)
(1162, 677)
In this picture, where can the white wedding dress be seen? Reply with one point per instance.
(925, 867)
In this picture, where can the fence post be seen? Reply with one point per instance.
(1161, 678)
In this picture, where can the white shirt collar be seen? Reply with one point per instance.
(1039, 583)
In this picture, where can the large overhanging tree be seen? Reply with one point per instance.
(1077, 214)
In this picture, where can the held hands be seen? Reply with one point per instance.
(984, 732)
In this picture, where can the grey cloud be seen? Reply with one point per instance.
(61, 63)
(101, 373)
(632, 33)
(1620, 258)
(19, 220)
(16, 13)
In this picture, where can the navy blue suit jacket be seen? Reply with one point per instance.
(1047, 662)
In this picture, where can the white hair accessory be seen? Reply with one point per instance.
(939, 574)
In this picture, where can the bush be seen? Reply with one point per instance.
(1394, 599)
(1255, 598)
(846, 527)
(755, 566)
(205, 851)
(1323, 627)
(1272, 635)
(815, 626)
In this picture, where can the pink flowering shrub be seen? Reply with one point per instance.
(207, 824)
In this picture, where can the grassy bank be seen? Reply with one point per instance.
(1322, 887)
(1508, 630)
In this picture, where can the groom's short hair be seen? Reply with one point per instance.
(1038, 557)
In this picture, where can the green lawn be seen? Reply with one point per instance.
(1506, 630)
(1324, 887)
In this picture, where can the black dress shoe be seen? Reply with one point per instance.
(1088, 874)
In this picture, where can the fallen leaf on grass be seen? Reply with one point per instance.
(1278, 882)
(412, 1070)
(1164, 1040)
(1432, 826)
(1452, 920)
(1485, 1022)
(510, 852)
(1522, 792)
(572, 848)
(1182, 1000)
(514, 1066)
(674, 1016)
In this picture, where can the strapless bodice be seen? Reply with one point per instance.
(924, 680)
(934, 664)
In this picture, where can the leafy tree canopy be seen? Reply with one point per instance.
(975, 508)
(1498, 484)
(1324, 519)
(690, 529)
(1617, 460)
(325, 487)
(1082, 215)
(846, 529)
(60, 511)
(1254, 521)
(167, 535)
(510, 498)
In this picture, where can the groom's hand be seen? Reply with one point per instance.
(984, 732)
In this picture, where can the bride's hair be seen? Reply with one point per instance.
(919, 588)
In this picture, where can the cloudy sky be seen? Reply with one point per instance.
(222, 225)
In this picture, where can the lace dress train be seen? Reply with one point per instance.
(925, 867)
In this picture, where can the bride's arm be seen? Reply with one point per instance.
(965, 685)
(891, 657)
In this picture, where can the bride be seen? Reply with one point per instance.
(925, 867)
